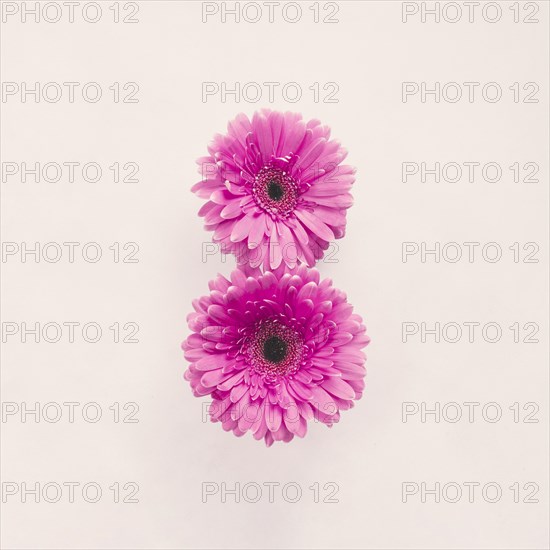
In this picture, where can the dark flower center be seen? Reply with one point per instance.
(275, 190)
(275, 349)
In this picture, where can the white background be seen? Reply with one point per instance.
(170, 452)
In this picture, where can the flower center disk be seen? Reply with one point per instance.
(273, 349)
(275, 191)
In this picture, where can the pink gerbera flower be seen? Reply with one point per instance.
(276, 189)
(275, 350)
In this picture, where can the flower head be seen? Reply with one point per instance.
(275, 350)
(276, 189)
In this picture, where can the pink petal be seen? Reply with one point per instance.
(257, 231)
(241, 229)
(232, 210)
(273, 416)
(339, 388)
(315, 224)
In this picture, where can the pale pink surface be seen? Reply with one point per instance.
(275, 350)
(276, 189)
